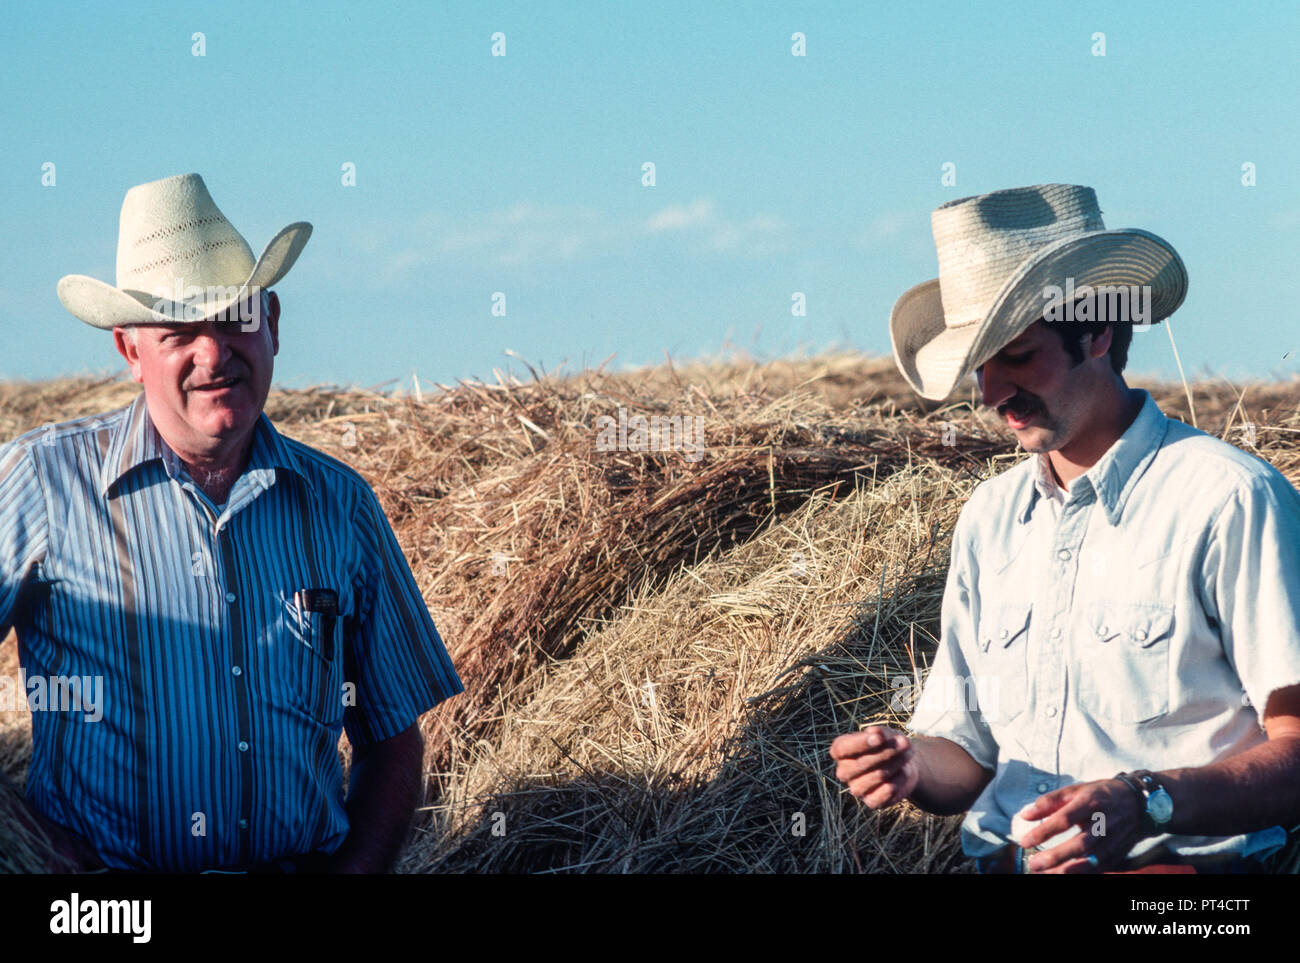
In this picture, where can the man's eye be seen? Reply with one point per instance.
(1019, 358)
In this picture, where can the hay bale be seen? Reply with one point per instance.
(691, 733)
(511, 472)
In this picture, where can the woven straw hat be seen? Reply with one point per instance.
(999, 254)
(178, 260)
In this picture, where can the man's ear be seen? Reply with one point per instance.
(273, 320)
(129, 350)
(1099, 344)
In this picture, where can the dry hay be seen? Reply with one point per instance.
(519, 527)
(690, 733)
(508, 471)
(24, 848)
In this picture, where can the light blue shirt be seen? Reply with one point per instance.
(1139, 621)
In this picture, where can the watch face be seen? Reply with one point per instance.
(1160, 807)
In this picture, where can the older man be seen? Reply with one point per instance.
(240, 595)
(1117, 685)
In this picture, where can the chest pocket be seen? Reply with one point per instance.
(1003, 682)
(1122, 663)
(311, 662)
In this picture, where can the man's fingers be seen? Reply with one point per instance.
(856, 743)
(1079, 866)
(1047, 803)
(892, 791)
(850, 768)
(887, 785)
(1070, 856)
(869, 779)
(1066, 813)
(872, 740)
(1052, 826)
(874, 764)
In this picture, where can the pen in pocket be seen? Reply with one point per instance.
(324, 602)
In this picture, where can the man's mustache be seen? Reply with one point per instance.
(1022, 406)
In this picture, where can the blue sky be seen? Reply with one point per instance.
(522, 174)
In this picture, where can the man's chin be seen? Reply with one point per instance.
(1037, 441)
(223, 413)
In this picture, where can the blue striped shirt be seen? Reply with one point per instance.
(222, 698)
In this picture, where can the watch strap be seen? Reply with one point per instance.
(1146, 778)
(1133, 781)
(1127, 779)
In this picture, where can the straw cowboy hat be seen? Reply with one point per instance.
(999, 256)
(178, 260)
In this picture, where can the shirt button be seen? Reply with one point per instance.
(236, 670)
(230, 596)
(1051, 712)
(243, 824)
(243, 746)
(1056, 633)
(1141, 635)
(1041, 787)
(1005, 633)
(1103, 630)
(1063, 554)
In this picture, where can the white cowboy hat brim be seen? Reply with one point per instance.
(934, 357)
(104, 306)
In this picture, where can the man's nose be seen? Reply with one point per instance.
(995, 387)
(211, 350)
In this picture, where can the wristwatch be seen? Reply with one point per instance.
(1157, 805)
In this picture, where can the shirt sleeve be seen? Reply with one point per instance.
(24, 529)
(395, 656)
(1252, 584)
(949, 706)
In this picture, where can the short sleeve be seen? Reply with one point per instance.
(948, 707)
(395, 656)
(1252, 584)
(24, 529)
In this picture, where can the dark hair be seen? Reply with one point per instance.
(1072, 332)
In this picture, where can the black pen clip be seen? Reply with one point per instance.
(324, 602)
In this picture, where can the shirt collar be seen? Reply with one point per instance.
(1045, 480)
(136, 442)
(1116, 472)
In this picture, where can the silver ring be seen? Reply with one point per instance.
(1093, 861)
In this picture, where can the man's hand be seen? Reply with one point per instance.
(383, 792)
(1108, 814)
(877, 764)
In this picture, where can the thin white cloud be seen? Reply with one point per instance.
(761, 234)
(530, 234)
(882, 229)
(711, 232)
(1287, 220)
(681, 217)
